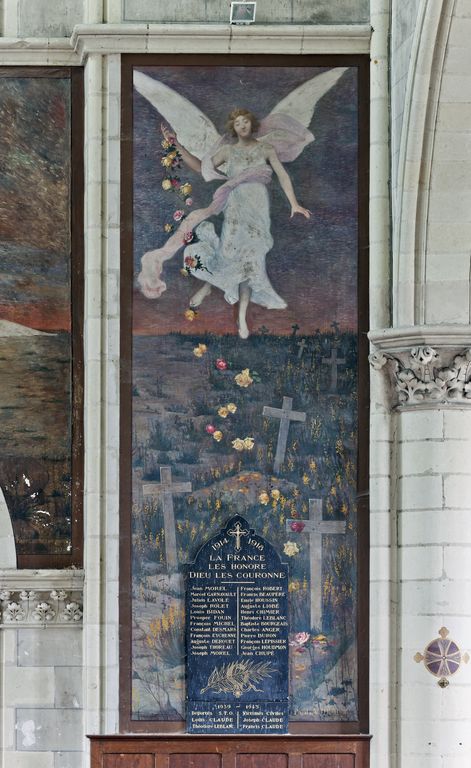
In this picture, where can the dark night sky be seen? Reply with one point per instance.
(313, 263)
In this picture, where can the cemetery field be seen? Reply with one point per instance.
(206, 407)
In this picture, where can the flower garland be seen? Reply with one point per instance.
(172, 163)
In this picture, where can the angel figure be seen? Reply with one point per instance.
(245, 158)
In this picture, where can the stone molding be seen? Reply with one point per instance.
(426, 367)
(107, 39)
(41, 598)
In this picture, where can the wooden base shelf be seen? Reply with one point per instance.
(188, 751)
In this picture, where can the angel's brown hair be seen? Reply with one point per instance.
(238, 113)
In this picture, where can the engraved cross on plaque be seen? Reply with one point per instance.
(334, 363)
(238, 532)
(167, 489)
(286, 415)
(316, 527)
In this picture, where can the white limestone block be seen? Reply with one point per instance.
(43, 18)
(447, 301)
(28, 686)
(28, 760)
(441, 265)
(420, 700)
(460, 32)
(41, 648)
(457, 564)
(68, 688)
(444, 237)
(380, 529)
(420, 425)
(458, 427)
(420, 492)
(68, 760)
(330, 11)
(440, 456)
(458, 59)
(425, 562)
(435, 737)
(431, 527)
(434, 597)
(380, 494)
(453, 117)
(49, 730)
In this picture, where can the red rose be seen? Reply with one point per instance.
(297, 526)
(175, 183)
(210, 429)
(221, 364)
(188, 237)
(190, 261)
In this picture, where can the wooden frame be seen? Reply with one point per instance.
(128, 62)
(75, 75)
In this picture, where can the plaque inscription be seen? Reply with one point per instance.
(237, 635)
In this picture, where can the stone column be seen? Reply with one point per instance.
(429, 392)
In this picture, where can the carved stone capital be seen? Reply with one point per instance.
(426, 376)
(43, 599)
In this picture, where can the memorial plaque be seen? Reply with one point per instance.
(237, 635)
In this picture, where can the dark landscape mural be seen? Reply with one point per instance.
(35, 311)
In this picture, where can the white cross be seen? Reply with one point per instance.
(167, 489)
(238, 532)
(286, 415)
(334, 363)
(316, 527)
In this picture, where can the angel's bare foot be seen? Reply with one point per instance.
(200, 295)
(245, 293)
(244, 332)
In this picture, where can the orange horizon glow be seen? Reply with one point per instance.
(37, 316)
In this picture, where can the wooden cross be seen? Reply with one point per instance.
(286, 415)
(334, 363)
(238, 532)
(316, 527)
(295, 328)
(335, 326)
(166, 489)
(302, 346)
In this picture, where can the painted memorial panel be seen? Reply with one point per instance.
(236, 635)
(40, 312)
(240, 382)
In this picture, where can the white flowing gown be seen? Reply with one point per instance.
(238, 256)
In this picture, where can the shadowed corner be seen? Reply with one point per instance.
(7, 539)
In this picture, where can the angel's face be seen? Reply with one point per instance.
(243, 126)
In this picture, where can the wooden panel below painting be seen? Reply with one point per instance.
(230, 752)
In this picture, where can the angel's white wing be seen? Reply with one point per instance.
(195, 131)
(301, 103)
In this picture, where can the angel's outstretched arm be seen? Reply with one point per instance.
(191, 160)
(286, 184)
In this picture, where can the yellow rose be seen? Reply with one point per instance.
(218, 435)
(190, 315)
(186, 188)
(184, 272)
(249, 443)
(166, 184)
(290, 548)
(244, 379)
(223, 412)
(166, 161)
(238, 444)
(275, 494)
(231, 407)
(201, 349)
(168, 227)
(172, 155)
(264, 497)
(165, 144)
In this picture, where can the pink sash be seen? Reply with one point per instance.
(152, 262)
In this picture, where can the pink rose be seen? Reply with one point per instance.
(190, 261)
(210, 429)
(188, 237)
(189, 201)
(175, 183)
(221, 364)
(178, 215)
(297, 526)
